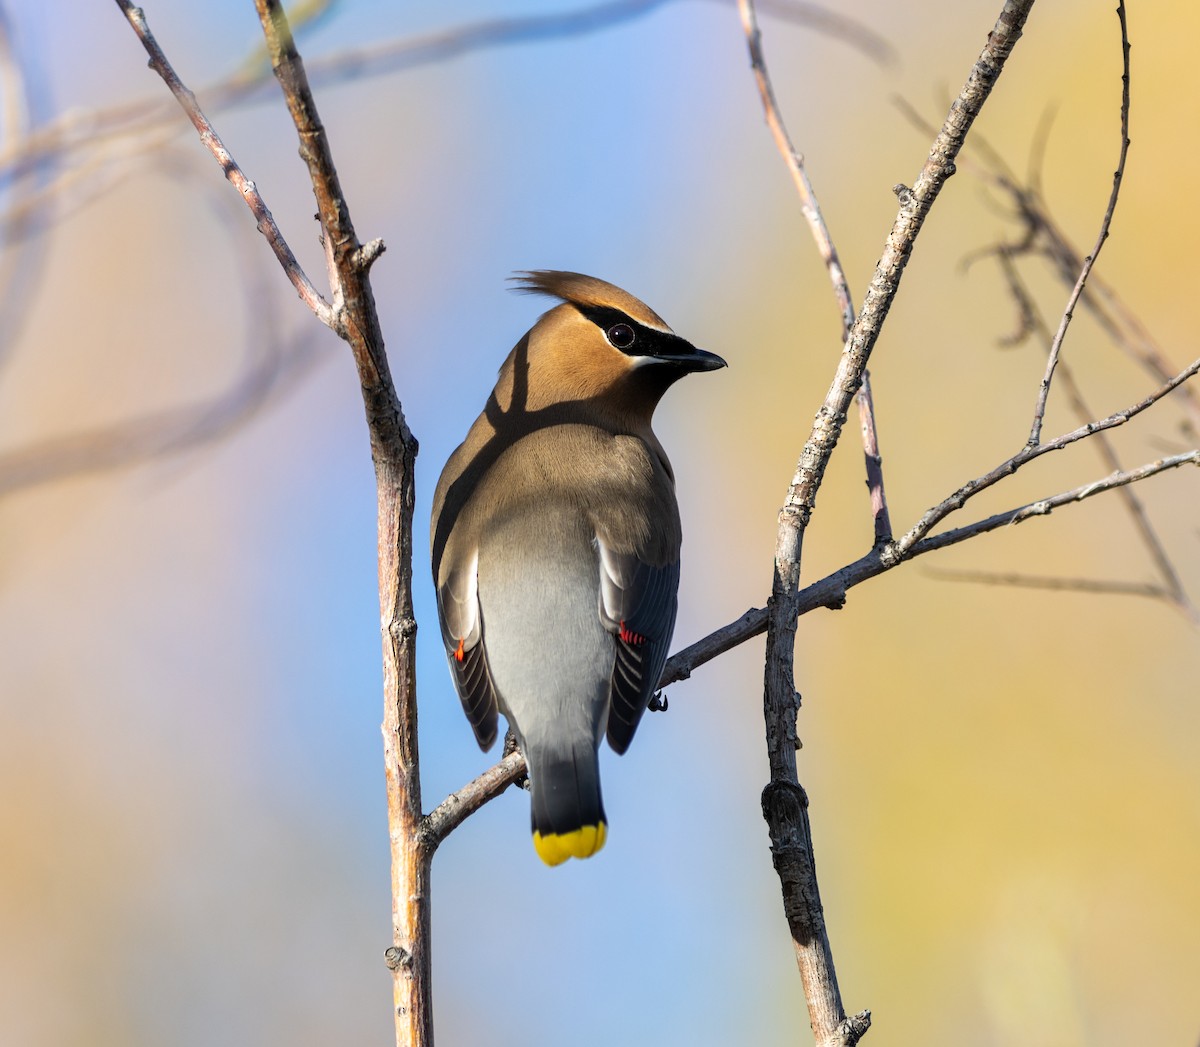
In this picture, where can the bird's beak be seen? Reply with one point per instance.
(693, 359)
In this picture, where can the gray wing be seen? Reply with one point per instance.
(462, 633)
(638, 602)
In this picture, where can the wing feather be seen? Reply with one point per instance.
(638, 603)
(462, 633)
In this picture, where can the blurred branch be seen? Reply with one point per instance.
(14, 117)
(90, 129)
(154, 434)
(1050, 583)
(1172, 588)
(270, 367)
(303, 16)
(1041, 236)
(20, 270)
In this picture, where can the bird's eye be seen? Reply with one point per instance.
(621, 335)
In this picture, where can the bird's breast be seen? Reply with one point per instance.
(612, 485)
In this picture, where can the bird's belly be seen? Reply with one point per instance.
(550, 656)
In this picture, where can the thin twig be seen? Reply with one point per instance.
(1039, 413)
(1044, 506)
(212, 141)
(1172, 588)
(831, 590)
(932, 517)
(795, 165)
(811, 210)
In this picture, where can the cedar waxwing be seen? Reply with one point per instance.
(555, 541)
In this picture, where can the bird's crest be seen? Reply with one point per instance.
(586, 291)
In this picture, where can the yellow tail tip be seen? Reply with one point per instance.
(556, 848)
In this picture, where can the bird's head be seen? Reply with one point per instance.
(601, 345)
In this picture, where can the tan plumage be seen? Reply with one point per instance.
(555, 544)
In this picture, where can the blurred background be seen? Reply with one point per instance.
(1004, 782)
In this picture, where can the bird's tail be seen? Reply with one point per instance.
(568, 812)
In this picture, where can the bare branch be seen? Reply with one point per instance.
(680, 665)
(1039, 413)
(811, 210)
(457, 807)
(354, 318)
(784, 803)
(1045, 506)
(212, 142)
(394, 452)
(1040, 235)
(795, 165)
(831, 590)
